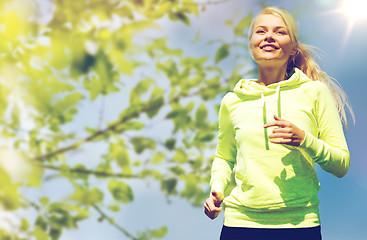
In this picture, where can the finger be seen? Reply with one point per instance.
(211, 213)
(277, 123)
(206, 207)
(281, 135)
(278, 118)
(282, 130)
(214, 193)
(281, 140)
(211, 205)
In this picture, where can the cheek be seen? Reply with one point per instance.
(255, 41)
(286, 45)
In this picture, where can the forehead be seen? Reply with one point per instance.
(269, 20)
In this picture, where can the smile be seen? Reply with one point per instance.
(269, 47)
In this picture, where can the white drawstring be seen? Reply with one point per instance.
(277, 96)
(277, 91)
(264, 121)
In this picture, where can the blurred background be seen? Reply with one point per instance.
(108, 116)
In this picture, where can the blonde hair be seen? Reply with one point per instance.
(303, 60)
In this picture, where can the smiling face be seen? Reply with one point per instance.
(270, 42)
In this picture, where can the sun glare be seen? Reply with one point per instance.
(355, 9)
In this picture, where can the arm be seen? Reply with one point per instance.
(226, 152)
(224, 159)
(329, 149)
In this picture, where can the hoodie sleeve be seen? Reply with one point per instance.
(329, 149)
(226, 151)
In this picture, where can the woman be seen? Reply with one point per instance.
(275, 129)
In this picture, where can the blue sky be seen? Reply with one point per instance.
(343, 201)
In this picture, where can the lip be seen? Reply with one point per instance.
(269, 47)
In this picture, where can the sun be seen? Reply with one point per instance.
(355, 10)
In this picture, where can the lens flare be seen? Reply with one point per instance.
(355, 9)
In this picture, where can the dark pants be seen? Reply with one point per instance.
(239, 233)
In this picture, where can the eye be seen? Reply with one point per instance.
(260, 31)
(282, 32)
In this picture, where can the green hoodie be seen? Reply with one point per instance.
(276, 184)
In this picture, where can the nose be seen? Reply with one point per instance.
(269, 36)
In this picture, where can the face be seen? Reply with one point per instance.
(270, 42)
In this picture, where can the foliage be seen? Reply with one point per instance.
(62, 58)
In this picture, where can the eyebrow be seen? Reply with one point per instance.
(277, 27)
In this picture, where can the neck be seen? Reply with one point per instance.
(270, 75)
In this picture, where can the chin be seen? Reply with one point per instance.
(268, 62)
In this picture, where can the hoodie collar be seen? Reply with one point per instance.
(249, 88)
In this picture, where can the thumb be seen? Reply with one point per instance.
(277, 118)
(218, 198)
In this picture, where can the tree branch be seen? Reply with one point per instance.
(87, 171)
(111, 221)
(90, 138)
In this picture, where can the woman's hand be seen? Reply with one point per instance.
(212, 204)
(287, 133)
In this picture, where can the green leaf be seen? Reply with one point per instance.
(69, 101)
(41, 223)
(140, 88)
(55, 233)
(80, 172)
(177, 170)
(142, 143)
(131, 125)
(180, 156)
(169, 185)
(200, 116)
(189, 107)
(24, 224)
(87, 197)
(170, 143)
(204, 135)
(40, 234)
(190, 188)
(222, 52)
(156, 102)
(119, 152)
(104, 69)
(229, 22)
(158, 158)
(44, 201)
(125, 11)
(181, 16)
(162, 9)
(121, 191)
(94, 85)
(114, 208)
(60, 215)
(83, 65)
(159, 233)
(242, 25)
(150, 172)
(9, 196)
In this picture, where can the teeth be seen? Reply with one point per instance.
(269, 47)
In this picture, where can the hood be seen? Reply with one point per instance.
(249, 89)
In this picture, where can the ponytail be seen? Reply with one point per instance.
(306, 63)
